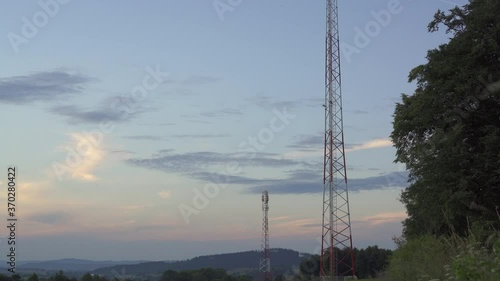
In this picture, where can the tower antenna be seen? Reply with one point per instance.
(337, 257)
(265, 262)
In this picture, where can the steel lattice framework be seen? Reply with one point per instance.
(336, 233)
(265, 262)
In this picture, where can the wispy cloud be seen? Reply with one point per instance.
(197, 80)
(384, 218)
(376, 143)
(110, 109)
(42, 87)
(164, 194)
(144, 137)
(200, 163)
(76, 114)
(271, 102)
(54, 217)
(308, 141)
(304, 182)
(307, 146)
(201, 136)
(302, 178)
(221, 112)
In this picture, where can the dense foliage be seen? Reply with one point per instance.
(204, 274)
(450, 258)
(448, 132)
(369, 262)
(448, 135)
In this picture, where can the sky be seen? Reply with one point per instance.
(149, 130)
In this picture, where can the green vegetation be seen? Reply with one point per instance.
(204, 274)
(448, 135)
(448, 132)
(446, 258)
(369, 263)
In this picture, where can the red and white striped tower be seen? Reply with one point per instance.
(265, 262)
(336, 230)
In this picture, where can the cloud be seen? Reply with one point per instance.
(311, 146)
(270, 102)
(86, 155)
(111, 109)
(144, 137)
(221, 113)
(384, 218)
(376, 143)
(201, 136)
(308, 141)
(76, 114)
(197, 80)
(41, 87)
(303, 178)
(166, 124)
(198, 163)
(203, 116)
(304, 182)
(314, 142)
(164, 194)
(50, 218)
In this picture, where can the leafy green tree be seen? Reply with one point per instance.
(244, 278)
(169, 275)
(33, 277)
(310, 266)
(87, 277)
(448, 132)
(4, 277)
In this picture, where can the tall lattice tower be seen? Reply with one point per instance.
(337, 257)
(265, 262)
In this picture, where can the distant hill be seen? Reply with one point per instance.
(248, 262)
(68, 265)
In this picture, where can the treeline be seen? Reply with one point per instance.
(59, 276)
(447, 133)
(369, 263)
(204, 274)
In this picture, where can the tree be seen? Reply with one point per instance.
(310, 266)
(87, 277)
(169, 275)
(448, 132)
(33, 277)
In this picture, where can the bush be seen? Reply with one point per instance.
(477, 260)
(422, 258)
(454, 258)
